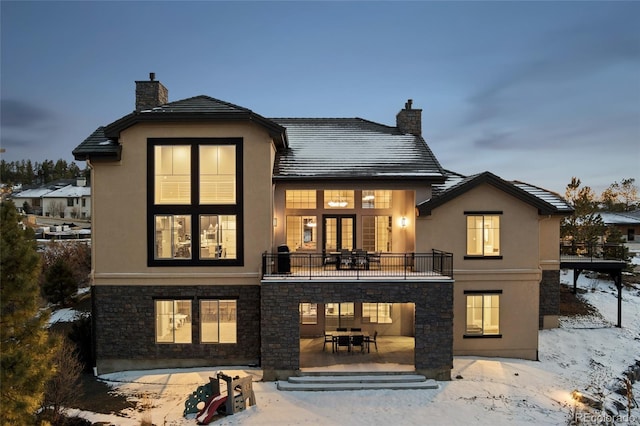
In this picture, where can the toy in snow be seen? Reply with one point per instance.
(207, 400)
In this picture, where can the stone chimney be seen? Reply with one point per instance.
(150, 94)
(409, 120)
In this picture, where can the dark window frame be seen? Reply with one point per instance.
(468, 213)
(195, 210)
(479, 336)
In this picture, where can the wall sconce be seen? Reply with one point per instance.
(275, 222)
(403, 222)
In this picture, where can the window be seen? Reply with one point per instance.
(218, 237)
(376, 233)
(302, 232)
(483, 235)
(172, 236)
(339, 310)
(483, 314)
(69, 202)
(173, 321)
(219, 323)
(300, 199)
(379, 313)
(194, 201)
(339, 199)
(308, 313)
(378, 199)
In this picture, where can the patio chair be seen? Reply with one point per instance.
(343, 341)
(357, 340)
(360, 259)
(345, 259)
(369, 340)
(329, 259)
(355, 329)
(341, 329)
(328, 338)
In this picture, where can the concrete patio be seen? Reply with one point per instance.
(397, 352)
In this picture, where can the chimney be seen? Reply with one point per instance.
(81, 181)
(150, 94)
(409, 120)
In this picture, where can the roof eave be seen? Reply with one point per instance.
(277, 132)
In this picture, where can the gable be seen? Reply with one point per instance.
(546, 202)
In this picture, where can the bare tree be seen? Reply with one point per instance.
(64, 388)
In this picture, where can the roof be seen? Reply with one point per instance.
(547, 202)
(104, 141)
(98, 145)
(32, 193)
(336, 148)
(70, 191)
(621, 218)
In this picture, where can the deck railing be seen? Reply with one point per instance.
(358, 265)
(592, 251)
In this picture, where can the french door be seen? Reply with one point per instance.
(339, 232)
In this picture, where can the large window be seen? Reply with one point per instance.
(302, 232)
(379, 313)
(377, 199)
(195, 209)
(339, 310)
(339, 199)
(483, 314)
(376, 233)
(308, 313)
(219, 323)
(483, 235)
(173, 321)
(300, 199)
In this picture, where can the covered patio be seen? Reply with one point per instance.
(396, 351)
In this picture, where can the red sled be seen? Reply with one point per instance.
(210, 409)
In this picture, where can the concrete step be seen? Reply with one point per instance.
(357, 382)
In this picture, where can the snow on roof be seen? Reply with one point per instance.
(619, 218)
(70, 191)
(32, 193)
(352, 148)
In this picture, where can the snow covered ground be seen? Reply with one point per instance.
(587, 354)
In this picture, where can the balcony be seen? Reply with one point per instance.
(356, 265)
(592, 252)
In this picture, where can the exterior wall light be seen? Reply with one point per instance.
(403, 222)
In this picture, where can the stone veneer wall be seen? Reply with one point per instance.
(549, 295)
(124, 327)
(281, 329)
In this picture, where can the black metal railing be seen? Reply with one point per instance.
(358, 265)
(592, 251)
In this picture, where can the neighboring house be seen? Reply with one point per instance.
(72, 201)
(628, 223)
(66, 198)
(221, 237)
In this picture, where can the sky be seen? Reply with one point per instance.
(531, 91)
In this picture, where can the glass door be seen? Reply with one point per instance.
(339, 232)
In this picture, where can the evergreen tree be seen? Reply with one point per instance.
(586, 224)
(26, 359)
(60, 284)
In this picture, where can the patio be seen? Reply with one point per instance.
(392, 350)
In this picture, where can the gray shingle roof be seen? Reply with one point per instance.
(352, 148)
(104, 141)
(97, 145)
(547, 202)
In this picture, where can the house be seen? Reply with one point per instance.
(628, 223)
(221, 237)
(71, 201)
(66, 198)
